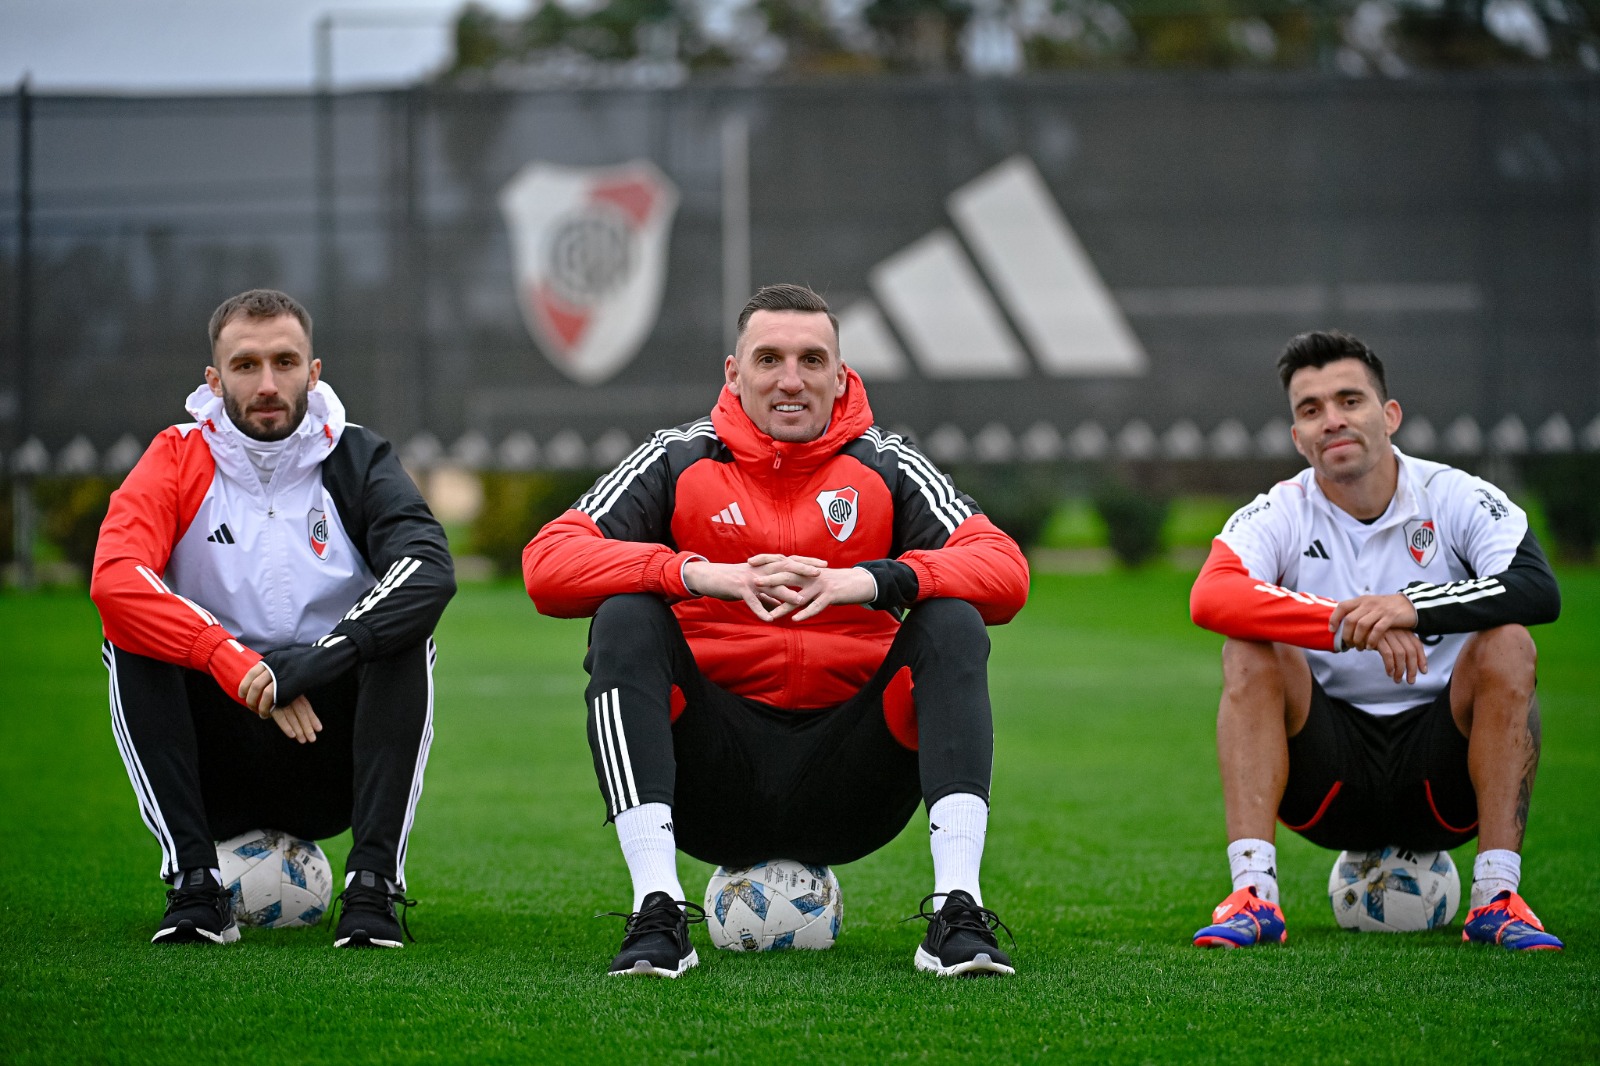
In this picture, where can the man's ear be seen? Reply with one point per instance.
(316, 373)
(730, 373)
(214, 379)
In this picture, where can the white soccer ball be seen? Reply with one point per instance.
(774, 906)
(1394, 890)
(278, 881)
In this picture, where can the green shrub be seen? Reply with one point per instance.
(70, 511)
(1566, 488)
(1134, 522)
(515, 506)
(1019, 499)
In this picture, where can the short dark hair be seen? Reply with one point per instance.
(258, 303)
(1321, 347)
(787, 297)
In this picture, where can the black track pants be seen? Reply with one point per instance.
(748, 782)
(204, 768)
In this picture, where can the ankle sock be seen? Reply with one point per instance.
(957, 825)
(1255, 862)
(1494, 872)
(650, 850)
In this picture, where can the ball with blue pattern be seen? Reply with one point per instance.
(776, 905)
(278, 881)
(1394, 890)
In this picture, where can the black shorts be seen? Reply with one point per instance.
(1359, 781)
(755, 782)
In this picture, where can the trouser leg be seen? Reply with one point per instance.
(636, 654)
(945, 646)
(393, 729)
(152, 718)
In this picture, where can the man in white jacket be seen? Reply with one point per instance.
(269, 579)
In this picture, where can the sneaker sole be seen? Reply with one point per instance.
(360, 939)
(186, 932)
(980, 966)
(1218, 942)
(642, 968)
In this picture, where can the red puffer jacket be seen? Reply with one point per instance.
(721, 489)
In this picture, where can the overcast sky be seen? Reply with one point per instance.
(232, 45)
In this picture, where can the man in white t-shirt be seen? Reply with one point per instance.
(1378, 677)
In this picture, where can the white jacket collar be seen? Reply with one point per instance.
(1404, 505)
(304, 450)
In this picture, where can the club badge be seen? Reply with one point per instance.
(1422, 540)
(317, 527)
(590, 247)
(839, 511)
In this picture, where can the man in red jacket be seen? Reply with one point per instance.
(787, 649)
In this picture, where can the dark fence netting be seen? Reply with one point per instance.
(1034, 269)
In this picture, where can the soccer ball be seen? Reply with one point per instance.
(277, 880)
(1394, 890)
(773, 906)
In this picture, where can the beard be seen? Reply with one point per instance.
(239, 416)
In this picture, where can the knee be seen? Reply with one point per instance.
(1503, 659)
(628, 615)
(1250, 667)
(953, 626)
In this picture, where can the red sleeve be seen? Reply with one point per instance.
(148, 515)
(1227, 600)
(571, 568)
(979, 564)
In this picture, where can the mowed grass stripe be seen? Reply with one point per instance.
(1105, 853)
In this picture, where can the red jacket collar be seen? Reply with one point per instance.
(852, 416)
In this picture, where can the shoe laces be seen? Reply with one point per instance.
(658, 919)
(375, 899)
(213, 895)
(958, 914)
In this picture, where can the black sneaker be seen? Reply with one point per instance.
(199, 911)
(656, 941)
(366, 913)
(961, 937)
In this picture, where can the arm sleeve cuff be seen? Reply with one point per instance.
(897, 584)
(663, 574)
(228, 662)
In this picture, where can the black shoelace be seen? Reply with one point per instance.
(213, 896)
(959, 915)
(657, 919)
(377, 901)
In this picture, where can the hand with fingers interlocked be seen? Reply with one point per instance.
(774, 586)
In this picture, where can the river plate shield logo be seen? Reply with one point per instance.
(591, 258)
(317, 531)
(1422, 540)
(839, 511)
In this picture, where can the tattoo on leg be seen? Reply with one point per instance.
(1530, 768)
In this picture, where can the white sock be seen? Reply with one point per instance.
(1494, 872)
(650, 850)
(1255, 862)
(957, 825)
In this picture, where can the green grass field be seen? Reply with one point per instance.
(1105, 853)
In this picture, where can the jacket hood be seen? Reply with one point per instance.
(319, 431)
(852, 416)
